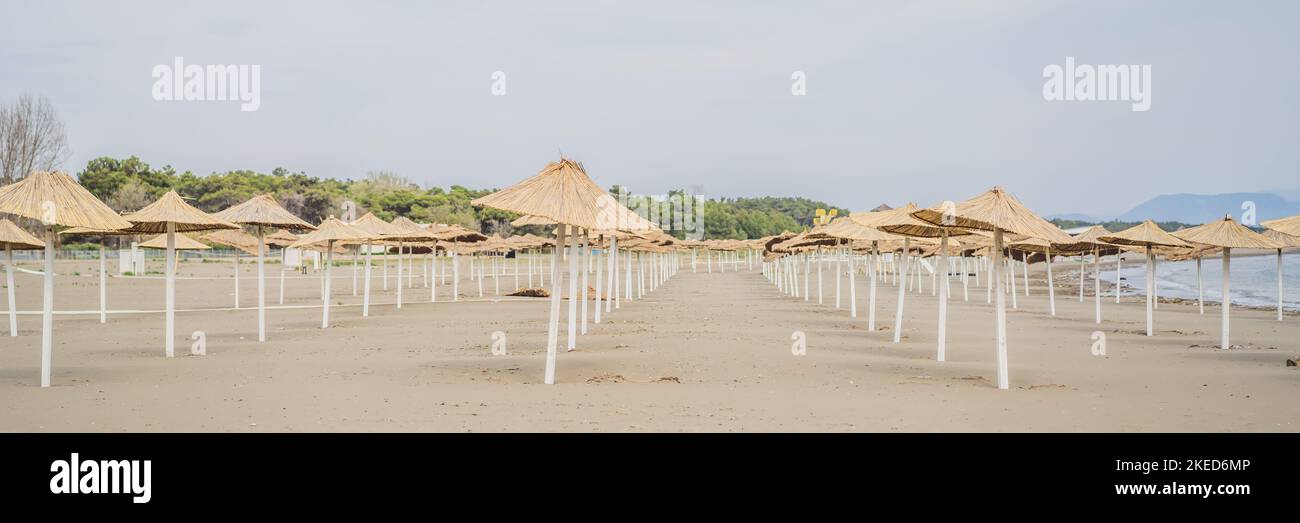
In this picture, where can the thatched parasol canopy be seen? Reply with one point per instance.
(1289, 225)
(1144, 234)
(331, 230)
(1285, 239)
(409, 231)
(769, 241)
(56, 198)
(375, 226)
(1227, 233)
(263, 210)
(183, 243)
(14, 237)
(153, 218)
(563, 193)
(529, 219)
(456, 233)
(994, 209)
(848, 229)
(901, 222)
(233, 238)
(281, 238)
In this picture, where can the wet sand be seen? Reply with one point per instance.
(704, 352)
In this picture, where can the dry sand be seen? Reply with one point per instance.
(705, 352)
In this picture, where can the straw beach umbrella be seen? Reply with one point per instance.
(56, 200)
(456, 235)
(405, 230)
(1288, 241)
(1147, 235)
(996, 211)
(240, 241)
(103, 272)
(900, 221)
(170, 215)
(13, 238)
(374, 227)
(261, 212)
(1287, 232)
(1227, 234)
(562, 192)
(328, 233)
(848, 229)
(1289, 225)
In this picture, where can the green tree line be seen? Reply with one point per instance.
(128, 184)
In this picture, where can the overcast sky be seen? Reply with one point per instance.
(906, 100)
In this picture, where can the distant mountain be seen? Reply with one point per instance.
(1201, 208)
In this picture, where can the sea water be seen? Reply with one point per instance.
(1253, 278)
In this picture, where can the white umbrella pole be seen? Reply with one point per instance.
(365, 300)
(898, 314)
(1011, 266)
(385, 267)
(355, 255)
(479, 271)
(1119, 267)
(329, 271)
(943, 295)
(613, 270)
(517, 253)
(572, 340)
(282, 258)
(9, 281)
(1024, 266)
(399, 274)
(1279, 285)
(627, 276)
(455, 273)
(807, 269)
(236, 278)
(261, 286)
(1051, 289)
(1200, 286)
(965, 278)
(600, 280)
(47, 309)
(853, 289)
(1001, 318)
(1082, 268)
(839, 272)
(553, 326)
(103, 285)
(1096, 281)
(871, 293)
(586, 262)
(819, 275)
(988, 280)
(171, 289)
(1227, 298)
(433, 273)
(1151, 271)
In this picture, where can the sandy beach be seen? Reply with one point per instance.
(705, 352)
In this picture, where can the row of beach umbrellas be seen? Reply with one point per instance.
(996, 223)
